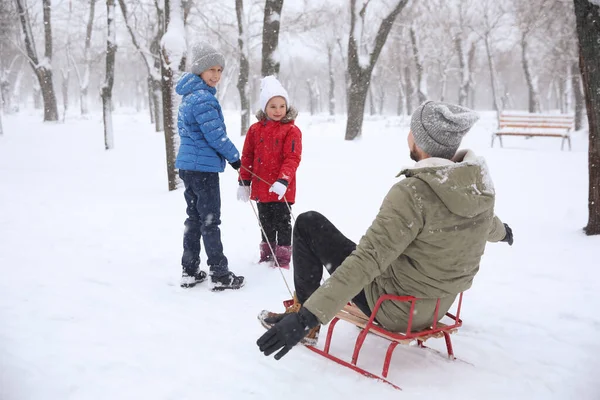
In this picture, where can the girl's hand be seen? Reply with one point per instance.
(278, 188)
(243, 193)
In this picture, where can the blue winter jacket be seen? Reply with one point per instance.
(204, 143)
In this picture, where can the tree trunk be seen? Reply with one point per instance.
(568, 95)
(371, 101)
(577, 95)
(5, 98)
(588, 32)
(561, 89)
(360, 77)
(492, 68)
(357, 97)
(270, 37)
(106, 90)
(401, 97)
(157, 102)
(421, 80)
(463, 64)
(331, 80)
(38, 104)
(311, 97)
(151, 61)
(346, 73)
(43, 70)
(150, 99)
(410, 90)
(85, 83)
(242, 83)
(381, 101)
(534, 95)
(471, 69)
(172, 63)
(65, 72)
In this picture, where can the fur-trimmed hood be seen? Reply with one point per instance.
(291, 115)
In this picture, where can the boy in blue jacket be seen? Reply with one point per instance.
(203, 151)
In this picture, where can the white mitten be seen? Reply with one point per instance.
(243, 193)
(279, 189)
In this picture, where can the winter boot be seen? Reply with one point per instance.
(189, 281)
(227, 281)
(292, 306)
(284, 255)
(265, 252)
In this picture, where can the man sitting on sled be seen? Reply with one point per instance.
(426, 241)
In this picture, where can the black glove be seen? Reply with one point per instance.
(287, 332)
(236, 164)
(508, 238)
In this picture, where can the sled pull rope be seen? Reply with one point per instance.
(265, 234)
(270, 184)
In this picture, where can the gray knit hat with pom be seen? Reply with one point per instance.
(438, 128)
(203, 56)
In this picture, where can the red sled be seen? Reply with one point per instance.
(352, 314)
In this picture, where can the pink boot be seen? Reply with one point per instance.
(265, 252)
(284, 255)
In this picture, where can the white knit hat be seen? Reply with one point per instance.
(270, 87)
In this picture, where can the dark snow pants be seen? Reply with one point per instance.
(318, 243)
(276, 223)
(203, 197)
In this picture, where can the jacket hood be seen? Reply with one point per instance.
(189, 83)
(463, 184)
(291, 115)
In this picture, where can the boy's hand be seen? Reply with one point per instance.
(236, 164)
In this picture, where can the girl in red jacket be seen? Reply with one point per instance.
(271, 155)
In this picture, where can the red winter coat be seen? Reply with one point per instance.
(272, 151)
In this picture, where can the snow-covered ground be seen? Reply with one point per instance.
(90, 243)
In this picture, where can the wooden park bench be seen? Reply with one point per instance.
(353, 315)
(530, 125)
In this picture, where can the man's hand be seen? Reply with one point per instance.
(287, 332)
(508, 238)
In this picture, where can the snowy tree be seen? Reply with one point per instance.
(5, 74)
(151, 57)
(107, 86)
(419, 65)
(533, 18)
(494, 19)
(11, 59)
(362, 60)
(587, 14)
(270, 38)
(564, 63)
(244, 73)
(84, 78)
(173, 53)
(41, 67)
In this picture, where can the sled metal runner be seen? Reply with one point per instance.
(352, 314)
